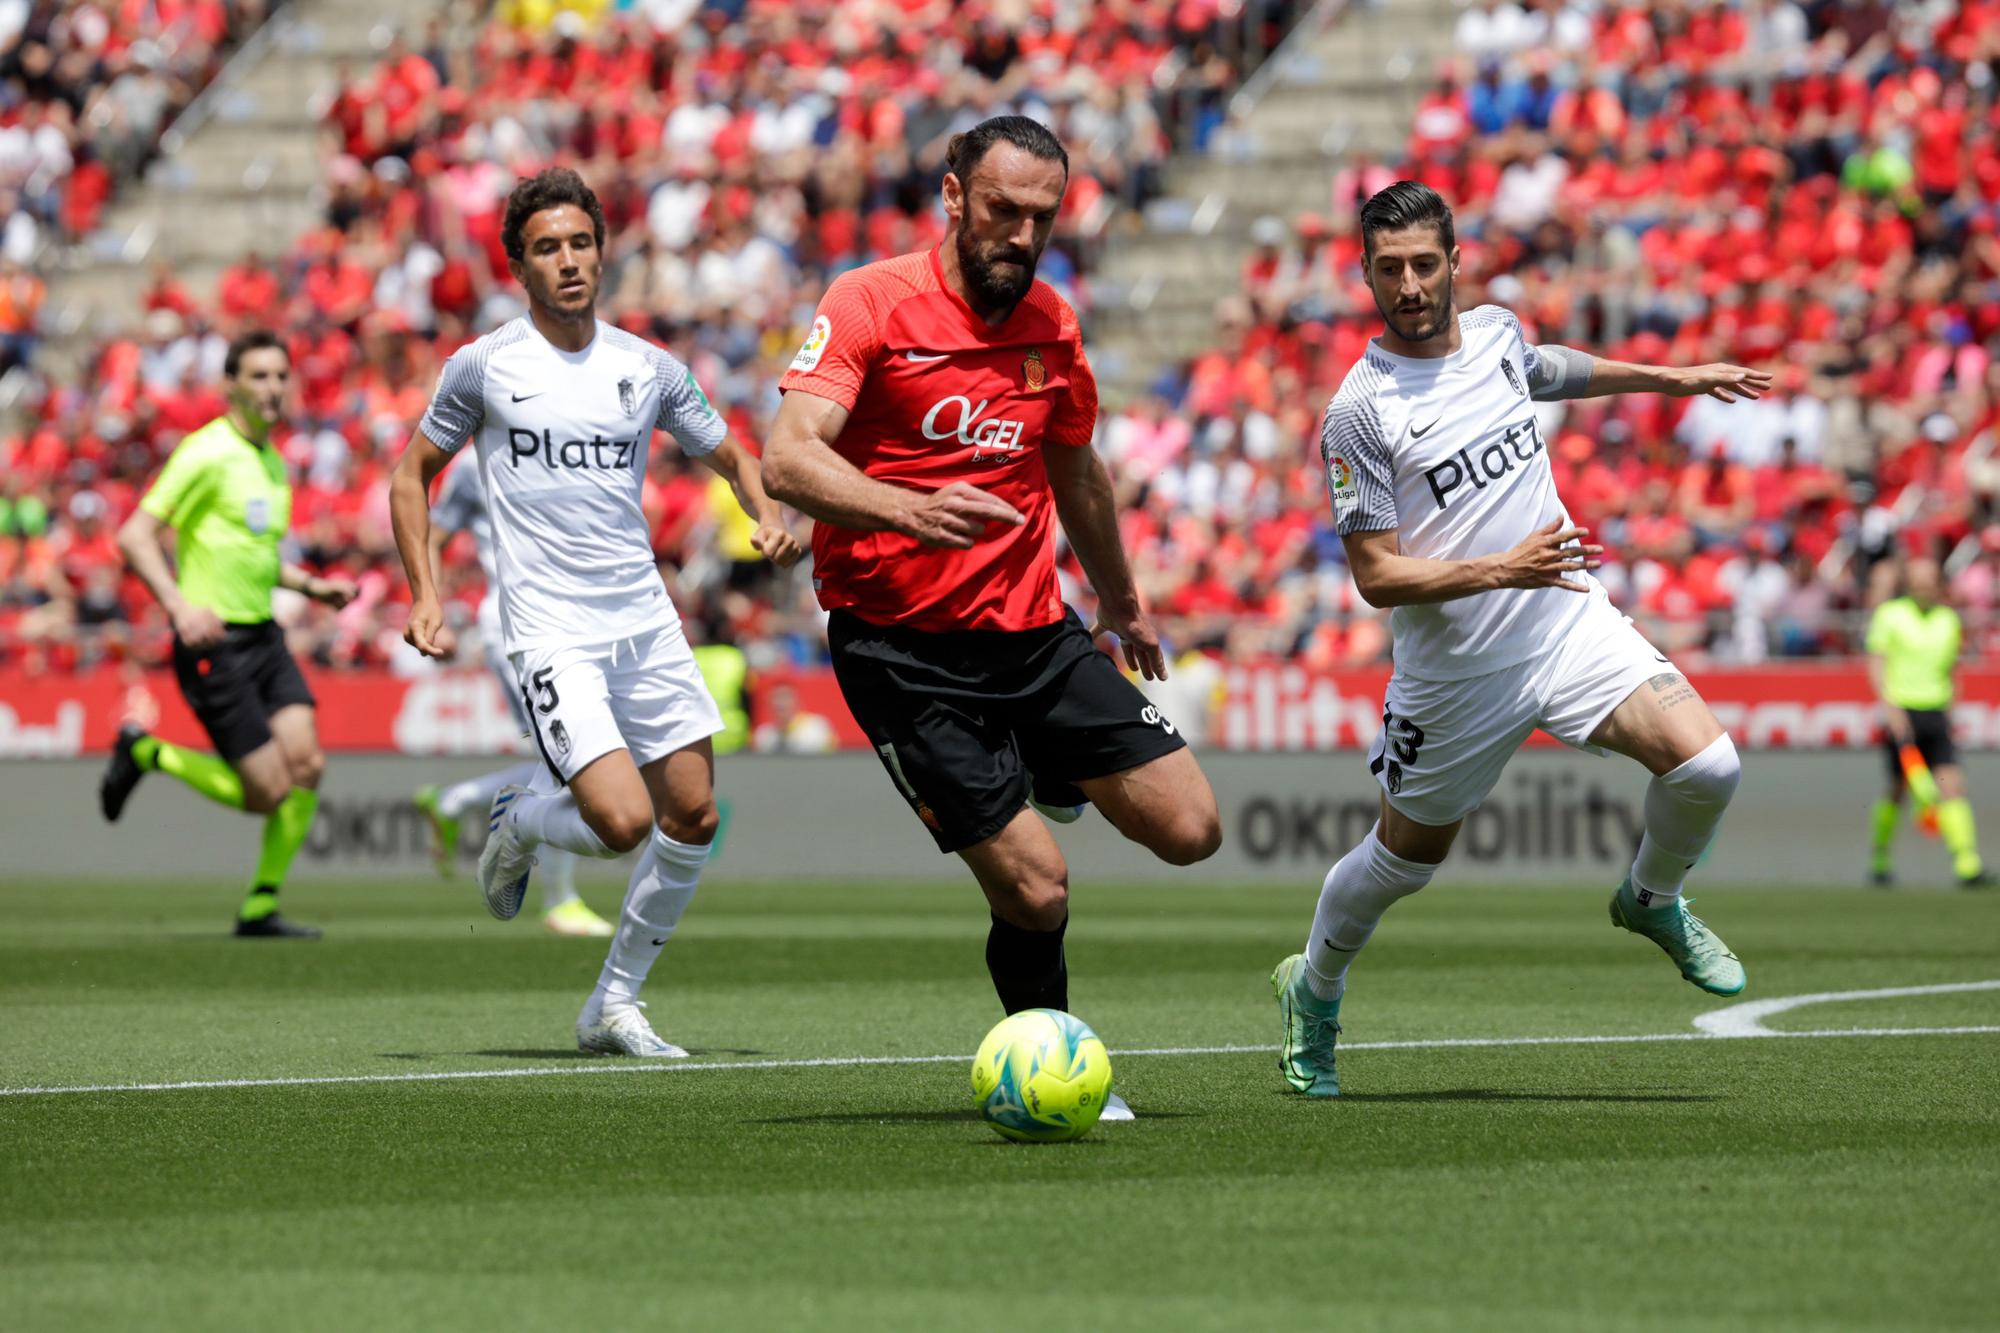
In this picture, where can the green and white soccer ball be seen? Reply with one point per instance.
(1041, 1076)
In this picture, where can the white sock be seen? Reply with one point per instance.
(1363, 885)
(552, 819)
(556, 873)
(475, 795)
(660, 891)
(1683, 808)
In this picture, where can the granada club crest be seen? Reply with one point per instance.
(628, 397)
(1033, 371)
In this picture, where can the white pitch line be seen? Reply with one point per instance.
(850, 1061)
(1747, 1019)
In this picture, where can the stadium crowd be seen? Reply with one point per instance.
(1812, 187)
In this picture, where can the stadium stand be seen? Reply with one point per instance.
(1811, 186)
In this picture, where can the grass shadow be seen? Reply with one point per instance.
(549, 1053)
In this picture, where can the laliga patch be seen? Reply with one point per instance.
(1340, 485)
(815, 344)
(257, 515)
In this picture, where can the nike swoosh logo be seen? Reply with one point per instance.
(1329, 943)
(1416, 434)
(919, 356)
(1659, 658)
(524, 397)
(659, 942)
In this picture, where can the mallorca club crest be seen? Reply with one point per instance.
(628, 396)
(1033, 372)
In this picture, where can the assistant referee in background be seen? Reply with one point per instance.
(1913, 645)
(225, 495)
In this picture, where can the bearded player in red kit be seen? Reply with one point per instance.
(939, 406)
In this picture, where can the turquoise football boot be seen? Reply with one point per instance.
(1698, 951)
(1311, 1028)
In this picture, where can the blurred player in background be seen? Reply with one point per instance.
(940, 403)
(461, 507)
(561, 409)
(224, 494)
(1446, 504)
(1913, 646)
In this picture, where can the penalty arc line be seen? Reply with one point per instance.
(854, 1061)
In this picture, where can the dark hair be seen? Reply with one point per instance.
(547, 189)
(1406, 204)
(965, 151)
(252, 340)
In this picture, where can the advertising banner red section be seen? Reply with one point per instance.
(1263, 706)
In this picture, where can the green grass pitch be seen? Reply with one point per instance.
(1822, 1182)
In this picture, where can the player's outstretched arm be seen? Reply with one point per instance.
(410, 517)
(1602, 378)
(1089, 514)
(740, 468)
(1546, 558)
(802, 468)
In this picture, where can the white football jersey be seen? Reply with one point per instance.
(563, 439)
(1447, 451)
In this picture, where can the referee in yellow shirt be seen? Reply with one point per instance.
(1913, 643)
(225, 494)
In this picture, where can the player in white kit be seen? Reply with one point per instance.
(461, 507)
(561, 409)
(1446, 504)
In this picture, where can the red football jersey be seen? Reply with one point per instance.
(935, 396)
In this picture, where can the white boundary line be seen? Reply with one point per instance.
(1747, 1019)
(842, 1062)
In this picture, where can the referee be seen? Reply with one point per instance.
(224, 494)
(1913, 644)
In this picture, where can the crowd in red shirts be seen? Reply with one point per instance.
(1809, 187)
(1812, 188)
(746, 151)
(86, 87)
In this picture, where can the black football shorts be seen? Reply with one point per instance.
(1930, 730)
(235, 686)
(970, 723)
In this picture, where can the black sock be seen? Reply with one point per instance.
(1028, 966)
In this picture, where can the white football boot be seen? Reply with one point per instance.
(621, 1030)
(506, 862)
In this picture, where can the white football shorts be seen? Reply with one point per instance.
(1444, 743)
(643, 694)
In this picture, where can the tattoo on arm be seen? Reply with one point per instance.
(1671, 689)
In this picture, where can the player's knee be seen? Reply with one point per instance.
(621, 830)
(261, 798)
(308, 768)
(1711, 777)
(1189, 836)
(696, 827)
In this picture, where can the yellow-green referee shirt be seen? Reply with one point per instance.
(229, 504)
(1918, 649)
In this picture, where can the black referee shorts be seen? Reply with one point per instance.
(969, 723)
(235, 686)
(1931, 732)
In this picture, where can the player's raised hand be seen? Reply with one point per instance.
(1138, 641)
(776, 544)
(426, 631)
(1722, 381)
(958, 515)
(1546, 559)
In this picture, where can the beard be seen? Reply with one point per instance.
(1427, 332)
(993, 287)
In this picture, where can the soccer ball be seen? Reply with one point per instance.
(1041, 1076)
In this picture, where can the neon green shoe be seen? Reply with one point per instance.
(444, 831)
(575, 918)
(1698, 951)
(1311, 1028)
